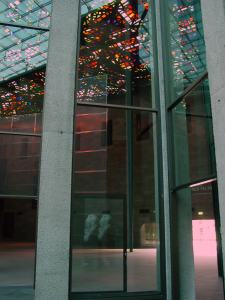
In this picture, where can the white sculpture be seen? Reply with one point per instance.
(90, 226)
(104, 224)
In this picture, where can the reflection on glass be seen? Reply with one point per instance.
(26, 12)
(113, 199)
(193, 137)
(17, 238)
(21, 102)
(30, 123)
(116, 52)
(19, 157)
(186, 43)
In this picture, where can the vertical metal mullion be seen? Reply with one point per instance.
(216, 210)
(157, 157)
(129, 131)
(76, 67)
(125, 245)
(165, 193)
(129, 135)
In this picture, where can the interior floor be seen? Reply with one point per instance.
(17, 269)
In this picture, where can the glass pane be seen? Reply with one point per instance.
(143, 253)
(115, 192)
(99, 192)
(193, 136)
(116, 52)
(17, 244)
(97, 243)
(22, 51)
(19, 160)
(21, 102)
(26, 12)
(187, 46)
(30, 123)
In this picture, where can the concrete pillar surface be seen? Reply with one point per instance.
(53, 241)
(213, 14)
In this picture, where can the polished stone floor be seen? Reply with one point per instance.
(102, 270)
(208, 285)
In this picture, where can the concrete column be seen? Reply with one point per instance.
(213, 14)
(184, 251)
(53, 242)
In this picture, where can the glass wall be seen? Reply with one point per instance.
(115, 212)
(192, 154)
(116, 224)
(23, 53)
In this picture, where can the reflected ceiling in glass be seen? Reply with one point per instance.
(22, 95)
(187, 41)
(116, 40)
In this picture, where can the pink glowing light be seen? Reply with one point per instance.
(203, 182)
(204, 238)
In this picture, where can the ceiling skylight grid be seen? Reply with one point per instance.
(23, 49)
(26, 12)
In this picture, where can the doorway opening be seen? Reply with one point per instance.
(207, 243)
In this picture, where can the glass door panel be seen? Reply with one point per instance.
(98, 255)
(98, 203)
(143, 247)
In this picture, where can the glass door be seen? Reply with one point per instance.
(109, 206)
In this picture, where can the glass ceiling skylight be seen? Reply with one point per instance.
(23, 49)
(26, 12)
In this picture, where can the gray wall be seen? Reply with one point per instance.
(214, 29)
